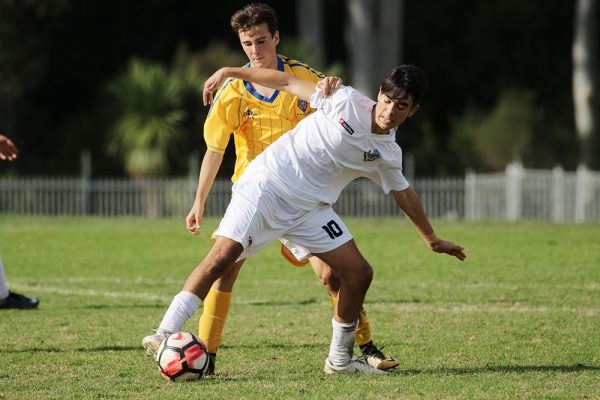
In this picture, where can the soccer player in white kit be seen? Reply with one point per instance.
(287, 193)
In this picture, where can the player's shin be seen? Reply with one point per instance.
(363, 329)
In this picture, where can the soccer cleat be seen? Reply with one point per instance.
(356, 366)
(18, 302)
(375, 358)
(151, 343)
(212, 359)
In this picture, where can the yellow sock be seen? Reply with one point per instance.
(363, 330)
(212, 321)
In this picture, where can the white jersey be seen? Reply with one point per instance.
(314, 162)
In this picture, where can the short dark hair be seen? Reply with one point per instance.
(254, 14)
(405, 80)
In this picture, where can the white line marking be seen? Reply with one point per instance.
(94, 293)
(485, 308)
(409, 307)
(477, 286)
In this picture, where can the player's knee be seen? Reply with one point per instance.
(221, 258)
(220, 264)
(362, 275)
(230, 275)
(330, 281)
(224, 264)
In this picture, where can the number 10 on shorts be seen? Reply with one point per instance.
(333, 229)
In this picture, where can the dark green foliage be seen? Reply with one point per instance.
(491, 140)
(58, 55)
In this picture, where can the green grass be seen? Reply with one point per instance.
(519, 319)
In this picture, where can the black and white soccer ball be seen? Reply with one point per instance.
(182, 357)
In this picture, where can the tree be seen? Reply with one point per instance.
(310, 29)
(374, 41)
(492, 139)
(150, 124)
(586, 82)
(25, 40)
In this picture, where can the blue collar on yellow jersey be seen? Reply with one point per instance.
(254, 93)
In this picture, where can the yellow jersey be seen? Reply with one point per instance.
(254, 120)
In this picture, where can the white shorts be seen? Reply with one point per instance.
(256, 217)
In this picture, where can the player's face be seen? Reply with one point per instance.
(390, 113)
(259, 46)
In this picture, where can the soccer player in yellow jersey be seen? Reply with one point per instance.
(257, 116)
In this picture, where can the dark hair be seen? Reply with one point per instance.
(405, 80)
(254, 14)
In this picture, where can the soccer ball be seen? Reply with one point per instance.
(182, 357)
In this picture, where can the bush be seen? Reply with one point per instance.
(491, 140)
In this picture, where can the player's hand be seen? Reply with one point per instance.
(212, 84)
(329, 84)
(193, 221)
(8, 150)
(444, 246)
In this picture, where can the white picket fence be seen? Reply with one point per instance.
(516, 194)
(545, 195)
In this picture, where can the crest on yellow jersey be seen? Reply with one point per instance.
(302, 104)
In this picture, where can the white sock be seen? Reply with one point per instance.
(342, 343)
(3, 286)
(181, 309)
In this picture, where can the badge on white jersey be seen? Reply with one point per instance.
(371, 155)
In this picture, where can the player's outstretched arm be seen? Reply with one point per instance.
(410, 203)
(263, 76)
(8, 150)
(208, 171)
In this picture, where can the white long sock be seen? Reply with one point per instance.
(3, 285)
(342, 343)
(181, 309)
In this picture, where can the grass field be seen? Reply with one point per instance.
(519, 319)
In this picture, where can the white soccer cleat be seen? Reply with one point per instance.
(356, 366)
(151, 343)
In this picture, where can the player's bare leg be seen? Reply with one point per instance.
(217, 262)
(371, 353)
(355, 275)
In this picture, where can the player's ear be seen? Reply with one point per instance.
(276, 38)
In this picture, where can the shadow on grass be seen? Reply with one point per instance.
(511, 369)
(100, 306)
(55, 349)
(125, 306)
(281, 303)
(67, 350)
(286, 346)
